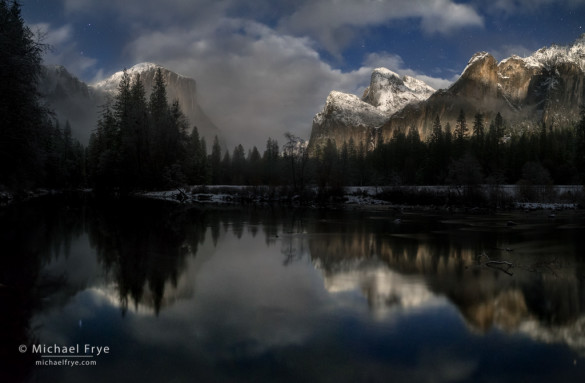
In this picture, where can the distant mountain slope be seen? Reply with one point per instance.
(346, 117)
(71, 99)
(80, 103)
(545, 88)
(179, 88)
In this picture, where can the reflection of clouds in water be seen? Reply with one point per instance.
(385, 290)
(572, 334)
(243, 295)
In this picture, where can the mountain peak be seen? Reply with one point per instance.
(580, 40)
(478, 61)
(547, 57)
(389, 92)
(143, 67)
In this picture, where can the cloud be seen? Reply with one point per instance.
(254, 82)
(510, 7)
(396, 64)
(258, 69)
(333, 22)
(508, 50)
(62, 47)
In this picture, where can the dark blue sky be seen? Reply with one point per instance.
(274, 62)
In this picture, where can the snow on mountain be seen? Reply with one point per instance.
(546, 87)
(389, 92)
(179, 87)
(555, 54)
(477, 57)
(348, 109)
(347, 117)
(80, 103)
(111, 83)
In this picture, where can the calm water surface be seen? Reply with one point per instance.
(201, 294)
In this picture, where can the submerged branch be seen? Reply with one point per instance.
(506, 266)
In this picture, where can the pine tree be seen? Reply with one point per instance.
(436, 133)
(238, 165)
(478, 127)
(254, 176)
(194, 165)
(215, 162)
(579, 159)
(461, 131)
(25, 125)
(139, 141)
(226, 169)
(271, 160)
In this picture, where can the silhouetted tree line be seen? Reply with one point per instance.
(142, 143)
(481, 154)
(34, 150)
(469, 154)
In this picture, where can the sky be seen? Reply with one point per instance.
(265, 67)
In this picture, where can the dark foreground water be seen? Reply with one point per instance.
(167, 293)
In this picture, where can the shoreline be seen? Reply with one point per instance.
(414, 198)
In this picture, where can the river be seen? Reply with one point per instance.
(151, 291)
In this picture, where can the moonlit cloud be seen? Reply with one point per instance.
(63, 49)
(511, 49)
(523, 6)
(396, 64)
(254, 82)
(333, 23)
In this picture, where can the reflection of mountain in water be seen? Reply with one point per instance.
(544, 298)
(385, 290)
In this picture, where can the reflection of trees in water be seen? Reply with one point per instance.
(143, 245)
(485, 297)
(31, 235)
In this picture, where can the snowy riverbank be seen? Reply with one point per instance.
(560, 197)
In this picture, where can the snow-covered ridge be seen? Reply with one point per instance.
(349, 110)
(390, 92)
(556, 54)
(479, 56)
(111, 83)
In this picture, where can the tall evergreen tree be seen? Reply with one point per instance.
(271, 160)
(579, 160)
(238, 165)
(478, 127)
(254, 173)
(226, 169)
(215, 162)
(25, 125)
(461, 131)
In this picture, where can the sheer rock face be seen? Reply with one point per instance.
(80, 103)
(345, 117)
(181, 88)
(546, 87)
(389, 92)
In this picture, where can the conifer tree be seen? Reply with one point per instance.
(461, 131)
(579, 160)
(238, 165)
(25, 124)
(271, 160)
(215, 162)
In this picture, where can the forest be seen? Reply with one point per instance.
(146, 143)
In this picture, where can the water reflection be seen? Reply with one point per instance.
(225, 294)
(544, 297)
